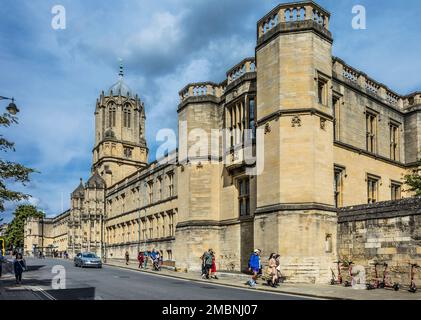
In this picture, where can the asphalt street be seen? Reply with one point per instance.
(113, 283)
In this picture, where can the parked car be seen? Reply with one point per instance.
(87, 259)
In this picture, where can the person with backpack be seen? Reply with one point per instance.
(19, 266)
(206, 263)
(254, 267)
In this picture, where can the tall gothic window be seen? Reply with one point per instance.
(394, 141)
(337, 117)
(338, 186)
(252, 124)
(396, 189)
(127, 116)
(371, 129)
(111, 115)
(372, 189)
(244, 196)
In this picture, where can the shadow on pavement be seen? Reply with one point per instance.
(73, 294)
(33, 268)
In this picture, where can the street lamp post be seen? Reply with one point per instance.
(11, 108)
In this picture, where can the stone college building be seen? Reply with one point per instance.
(336, 146)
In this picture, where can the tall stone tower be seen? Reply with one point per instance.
(295, 213)
(120, 144)
(199, 176)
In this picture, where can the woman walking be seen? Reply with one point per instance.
(19, 266)
(272, 269)
(213, 268)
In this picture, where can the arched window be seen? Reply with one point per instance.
(127, 115)
(111, 114)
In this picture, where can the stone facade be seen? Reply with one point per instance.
(387, 232)
(329, 136)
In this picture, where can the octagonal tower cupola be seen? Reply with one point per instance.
(120, 145)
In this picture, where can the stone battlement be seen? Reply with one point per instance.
(240, 69)
(200, 89)
(293, 12)
(359, 79)
(380, 210)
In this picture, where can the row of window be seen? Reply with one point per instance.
(371, 120)
(152, 227)
(155, 191)
(127, 116)
(373, 183)
(156, 194)
(240, 116)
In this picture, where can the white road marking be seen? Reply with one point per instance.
(42, 291)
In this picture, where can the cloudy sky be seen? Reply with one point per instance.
(56, 75)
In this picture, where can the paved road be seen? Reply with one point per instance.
(111, 283)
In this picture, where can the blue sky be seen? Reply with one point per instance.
(57, 75)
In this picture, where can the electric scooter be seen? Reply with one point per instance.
(385, 284)
(334, 281)
(376, 283)
(412, 286)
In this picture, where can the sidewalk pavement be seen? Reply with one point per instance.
(9, 290)
(319, 291)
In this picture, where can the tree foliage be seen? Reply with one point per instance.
(11, 171)
(413, 180)
(15, 230)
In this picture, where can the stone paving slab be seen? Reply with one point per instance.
(306, 290)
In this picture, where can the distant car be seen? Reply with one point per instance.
(87, 260)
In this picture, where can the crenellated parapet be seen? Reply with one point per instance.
(363, 82)
(412, 100)
(246, 66)
(201, 89)
(294, 15)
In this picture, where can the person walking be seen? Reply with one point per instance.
(157, 260)
(272, 270)
(254, 267)
(213, 268)
(127, 258)
(207, 263)
(146, 259)
(19, 266)
(278, 269)
(141, 259)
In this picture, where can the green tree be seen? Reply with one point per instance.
(11, 171)
(413, 180)
(15, 230)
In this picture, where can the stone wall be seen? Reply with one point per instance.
(386, 232)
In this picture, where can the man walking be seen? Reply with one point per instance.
(254, 266)
(127, 258)
(207, 263)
